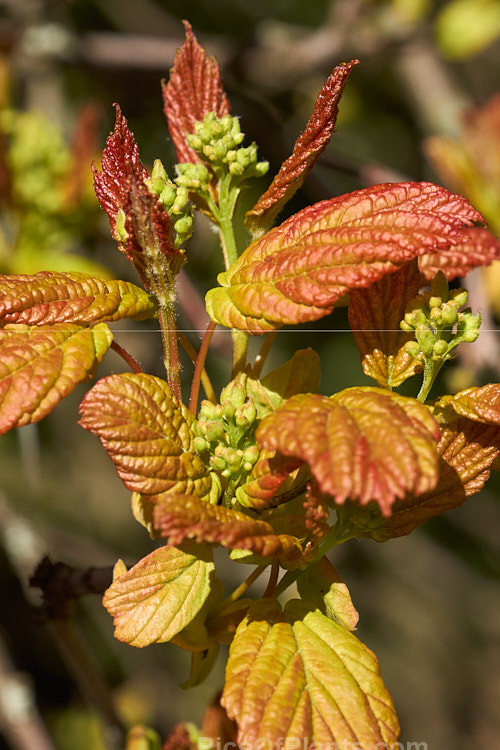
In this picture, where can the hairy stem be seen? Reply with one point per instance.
(166, 317)
(129, 359)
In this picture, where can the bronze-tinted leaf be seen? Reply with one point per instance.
(374, 316)
(308, 147)
(160, 596)
(297, 678)
(44, 298)
(193, 90)
(480, 249)
(467, 449)
(179, 517)
(478, 404)
(147, 433)
(362, 443)
(298, 271)
(41, 365)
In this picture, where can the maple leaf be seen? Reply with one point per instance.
(193, 90)
(479, 249)
(160, 596)
(361, 443)
(44, 298)
(374, 316)
(147, 433)
(299, 270)
(139, 222)
(296, 675)
(41, 365)
(308, 147)
(179, 517)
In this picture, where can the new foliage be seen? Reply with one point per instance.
(271, 470)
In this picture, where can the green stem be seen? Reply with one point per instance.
(228, 195)
(243, 587)
(166, 317)
(431, 370)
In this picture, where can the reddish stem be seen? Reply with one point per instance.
(129, 359)
(199, 366)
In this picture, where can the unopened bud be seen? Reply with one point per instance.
(440, 348)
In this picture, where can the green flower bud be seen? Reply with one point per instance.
(435, 302)
(245, 415)
(413, 349)
(449, 314)
(459, 296)
(184, 227)
(200, 444)
(158, 173)
(405, 327)
(168, 195)
(234, 392)
(436, 316)
(425, 339)
(440, 348)
(120, 233)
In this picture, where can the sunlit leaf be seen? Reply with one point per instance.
(374, 316)
(323, 586)
(179, 517)
(308, 147)
(271, 481)
(138, 220)
(298, 271)
(194, 89)
(147, 433)
(160, 596)
(478, 404)
(480, 249)
(362, 443)
(47, 297)
(298, 676)
(41, 365)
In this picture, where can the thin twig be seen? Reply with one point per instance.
(125, 355)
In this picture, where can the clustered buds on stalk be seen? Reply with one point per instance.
(175, 199)
(217, 141)
(226, 433)
(438, 321)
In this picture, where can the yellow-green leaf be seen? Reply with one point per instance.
(322, 585)
(47, 297)
(296, 676)
(147, 433)
(160, 596)
(41, 365)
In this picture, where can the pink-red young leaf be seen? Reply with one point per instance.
(374, 316)
(362, 443)
(179, 517)
(194, 89)
(308, 147)
(146, 236)
(299, 270)
(160, 596)
(41, 365)
(480, 249)
(45, 298)
(270, 482)
(147, 433)
(297, 678)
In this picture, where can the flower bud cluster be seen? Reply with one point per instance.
(217, 141)
(175, 200)
(438, 322)
(226, 432)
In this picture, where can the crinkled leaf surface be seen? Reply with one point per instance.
(179, 517)
(270, 482)
(41, 365)
(480, 249)
(299, 270)
(147, 235)
(44, 298)
(296, 676)
(362, 443)
(193, 90)
(467, 450)
(374, 316)
(308, 147)
(478, 404)
(147, 433)
(160, 596)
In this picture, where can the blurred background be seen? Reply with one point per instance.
(423, 104)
